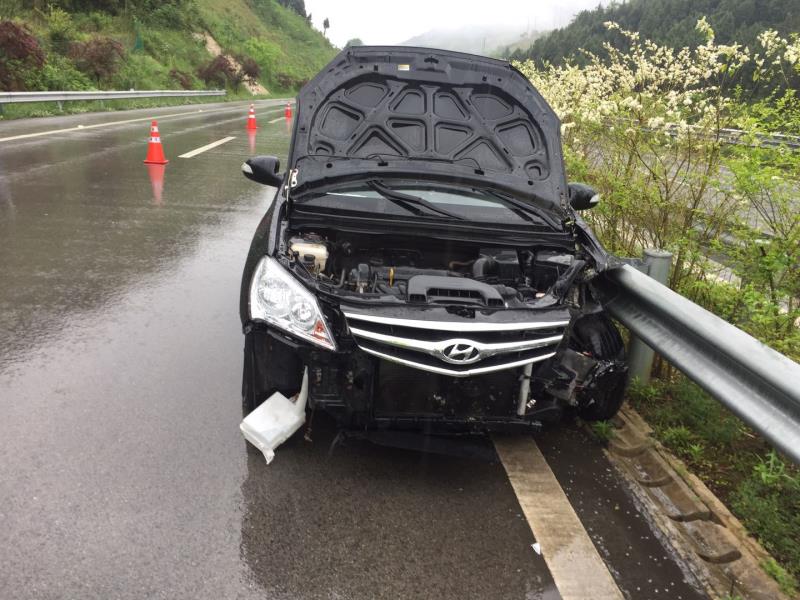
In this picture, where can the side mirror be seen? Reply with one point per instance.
(582, 196)
(263, 169)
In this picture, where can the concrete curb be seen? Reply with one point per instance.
(712, 543)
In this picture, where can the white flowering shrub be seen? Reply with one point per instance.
(647, 127)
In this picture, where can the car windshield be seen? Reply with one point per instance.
(424, 200)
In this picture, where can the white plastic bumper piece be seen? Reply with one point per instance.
(275, 420)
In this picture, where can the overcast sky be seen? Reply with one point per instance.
(382, 22)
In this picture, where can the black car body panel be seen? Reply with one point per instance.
(401, 112)
(435, 323)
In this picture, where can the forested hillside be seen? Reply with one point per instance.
(149, 44)
(666, 22)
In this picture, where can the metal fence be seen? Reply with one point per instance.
(60, 97)
(757, 383)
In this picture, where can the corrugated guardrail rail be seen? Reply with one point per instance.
(754, 381)
(14, 97)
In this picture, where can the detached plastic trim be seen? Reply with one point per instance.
(276, 420)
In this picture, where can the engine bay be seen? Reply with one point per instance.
(432, 271)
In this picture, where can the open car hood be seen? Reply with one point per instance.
(400, 113)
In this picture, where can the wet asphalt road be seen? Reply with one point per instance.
(122, 470)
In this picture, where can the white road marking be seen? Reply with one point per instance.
(577, 569)
(202, 149)
(110, 124)
(81, 127)
(276, 120)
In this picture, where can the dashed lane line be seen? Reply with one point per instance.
(276, 120)
(202, 149)
(577, 569)
(25, 136)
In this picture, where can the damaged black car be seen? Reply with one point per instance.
(423, 265)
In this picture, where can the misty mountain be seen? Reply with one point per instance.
(491, 40)
(668, 22)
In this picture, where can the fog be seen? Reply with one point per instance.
(376, 22)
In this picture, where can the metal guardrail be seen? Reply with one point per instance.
(15, 97)
(728, 136)
(739, 137)
(771, 140)
(754, 381)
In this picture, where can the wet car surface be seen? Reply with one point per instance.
(122, 470)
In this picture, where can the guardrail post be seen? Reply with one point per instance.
(657, 265)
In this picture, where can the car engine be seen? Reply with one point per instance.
(432, 272)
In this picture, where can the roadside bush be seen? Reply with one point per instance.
(60, 29)
(770, 498)
(141, 72)
(759, 487)
(266, 54)
(10, 8)
(59, 73)
(220, 72)
(167, 15)
(99, 57)
(646, 127)
(250, 67)
(20, 53)
(185, 80)
(97, 21)
(287, 82)
(170, 14)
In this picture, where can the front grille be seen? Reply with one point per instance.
(455, 348)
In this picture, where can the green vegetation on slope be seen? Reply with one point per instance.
(145, 44)
(644, 126)
(666, 22)
(285, 46)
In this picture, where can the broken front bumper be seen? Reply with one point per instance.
(275, 420)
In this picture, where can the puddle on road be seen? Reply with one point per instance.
(94, 221)
(640, 563)
(381, 522)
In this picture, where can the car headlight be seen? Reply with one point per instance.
(279, 299)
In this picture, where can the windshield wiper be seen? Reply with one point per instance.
(410, 203)
(523, 209)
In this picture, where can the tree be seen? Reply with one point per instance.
(298, 6)
(20, 55)
(354, 42)
(325, 25)
(98, 57)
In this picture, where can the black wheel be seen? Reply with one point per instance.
(598, 337)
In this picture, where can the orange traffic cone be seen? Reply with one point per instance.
(251, 119)
(155, 153)
(288, 112)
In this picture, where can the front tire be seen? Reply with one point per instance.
(598, 337)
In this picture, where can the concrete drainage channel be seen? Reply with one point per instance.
(709, 539)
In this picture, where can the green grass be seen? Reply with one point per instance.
(787, 583)
(603, 431)
(758, 486)
(279, 40)
(162, 51)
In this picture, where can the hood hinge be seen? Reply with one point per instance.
(290, 184)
